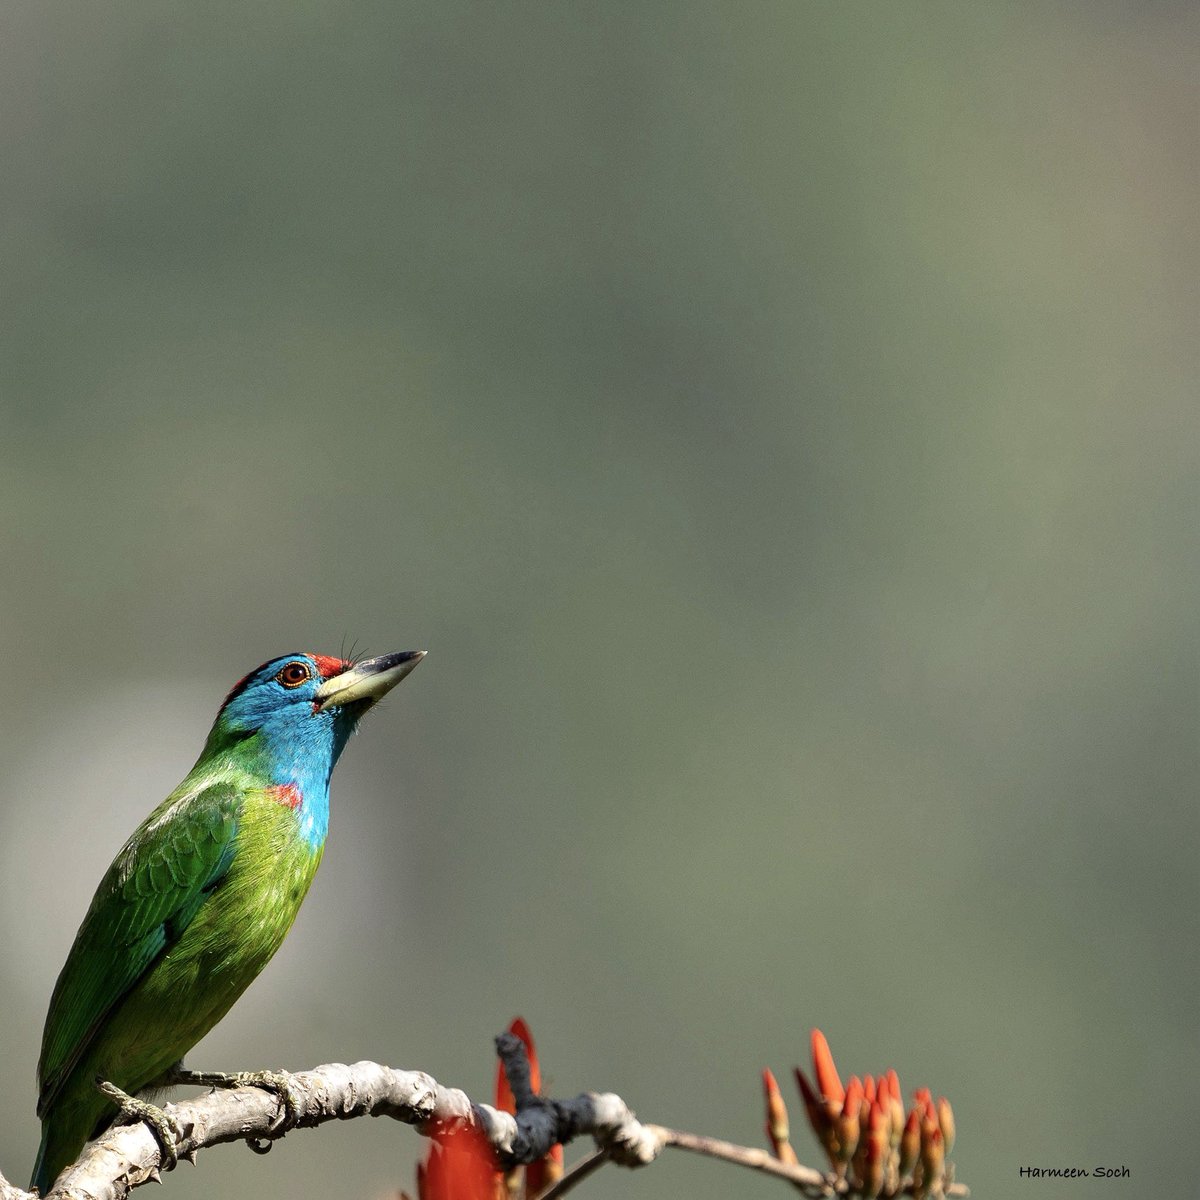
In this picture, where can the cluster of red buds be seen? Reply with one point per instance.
(874, 1147)
(460, 1165)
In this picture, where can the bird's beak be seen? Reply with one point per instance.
(369, 680)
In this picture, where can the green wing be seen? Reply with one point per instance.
(145, 901)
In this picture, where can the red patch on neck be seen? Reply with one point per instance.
(287, 794)
(330, 666)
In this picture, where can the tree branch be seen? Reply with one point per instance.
(9, 1192)
(126, 1156)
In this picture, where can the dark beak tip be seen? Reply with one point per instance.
(389, 662)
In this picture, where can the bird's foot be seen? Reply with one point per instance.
(167, 1131)
(272, 1081)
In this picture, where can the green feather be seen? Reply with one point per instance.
(144, 903)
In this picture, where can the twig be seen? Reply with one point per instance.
(572, 1178)
(811, 1182)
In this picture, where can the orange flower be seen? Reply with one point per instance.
(460, 1166)
(828, 1081)
(946, 1121)
(874, 1160)
(933, 1160)
(910, 1144)
(849, 1126)
(777, 1120)
(822, 1116)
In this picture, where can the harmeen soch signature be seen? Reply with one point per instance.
(1074, 1172)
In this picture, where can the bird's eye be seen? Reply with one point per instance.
(293, 675)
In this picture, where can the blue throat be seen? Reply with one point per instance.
(291, 745)
(303, 754)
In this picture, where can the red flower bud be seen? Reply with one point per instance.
(874, 1158)
(910, 1144)
(946, 1121)
(848, 1127)
(777, 1120)
(819, 1116)
(933, 1160)
(460, 1166)
(828, 1081)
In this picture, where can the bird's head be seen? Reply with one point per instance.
(306, 704)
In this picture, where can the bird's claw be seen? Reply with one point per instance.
(272, 1081)
(167, 1131)
(279, 1083)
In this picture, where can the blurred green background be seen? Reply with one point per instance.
(778, 422)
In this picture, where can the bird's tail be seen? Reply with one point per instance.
(60, 1147)
(40, 1164)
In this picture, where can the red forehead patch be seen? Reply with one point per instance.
(330, 666)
